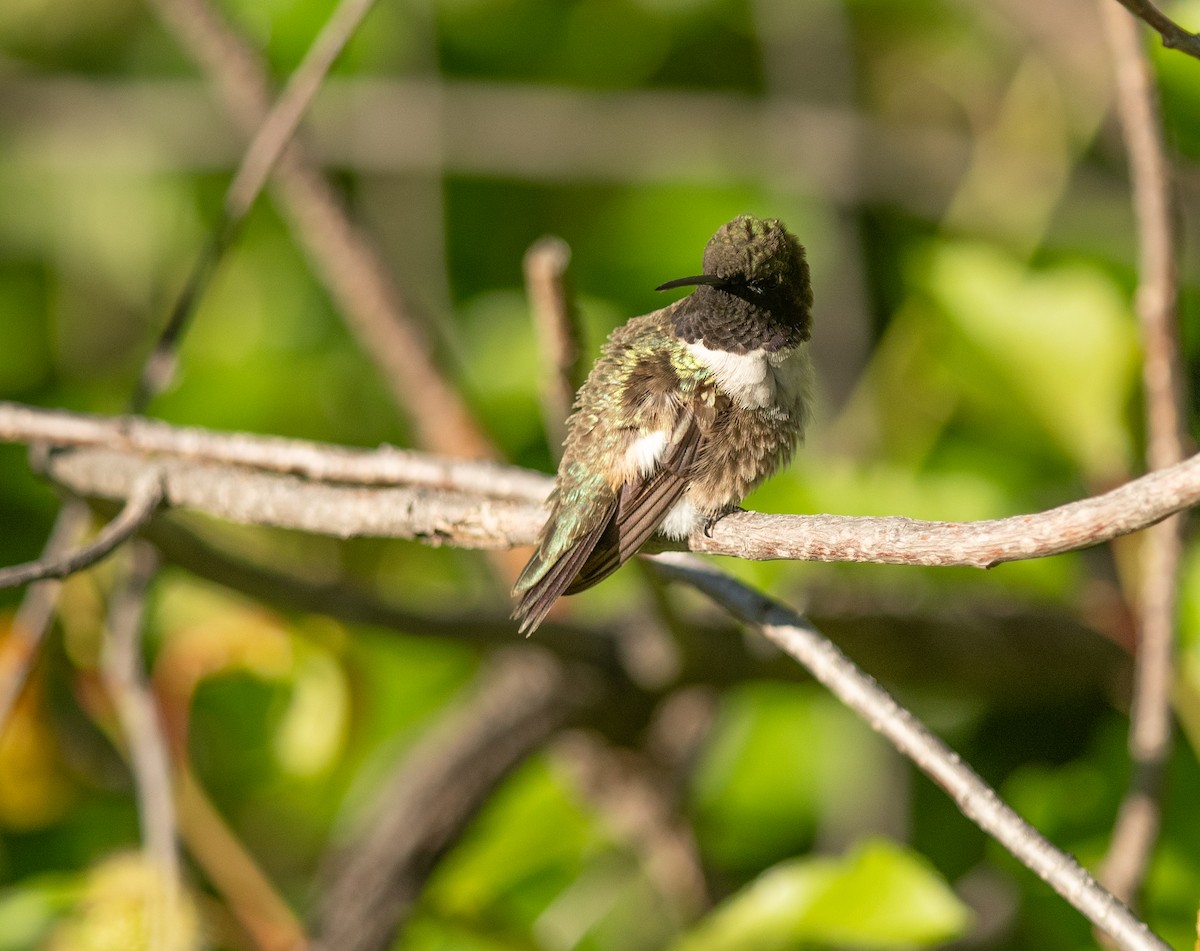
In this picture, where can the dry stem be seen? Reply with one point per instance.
(1139, 817)
(974, 798)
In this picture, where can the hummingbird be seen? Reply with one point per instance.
(687, 409)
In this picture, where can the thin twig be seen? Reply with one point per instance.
(143, 735)
(1173, 35)
(144, 499)
(372, 883)
(1157, 292)
(260, 157)
(560, 337)
(1139, 817)
(59, 559)
(34, 615)
(341, 253)
(974, 798)
(280, 125)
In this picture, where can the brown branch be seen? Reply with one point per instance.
(372, 883)
(255, 903)
(559, 335)
(974, 798)
(144, 499)
(59, 559)
(1174, 36)
(341, 253)
(982, 544)
(143, 737)
(280, 125)
(282, 501)
(273, 135)
(1139, 818)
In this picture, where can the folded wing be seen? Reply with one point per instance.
(631, 516)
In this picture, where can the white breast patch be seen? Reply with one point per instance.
(758, 379)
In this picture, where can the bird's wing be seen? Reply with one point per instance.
(642, 505)
(630, 517)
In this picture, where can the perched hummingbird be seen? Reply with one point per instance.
(687, 409)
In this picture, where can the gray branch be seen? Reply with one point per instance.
(391, 493)
(472, 520)
(145, 494)
(974, 798)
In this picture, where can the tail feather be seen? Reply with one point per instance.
(539, 598)
(542, 583)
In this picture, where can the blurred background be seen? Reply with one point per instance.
(957, 175)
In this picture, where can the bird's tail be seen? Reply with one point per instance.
(545, 579)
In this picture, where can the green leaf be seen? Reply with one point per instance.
(28, 910)
(1056, 344)
(880, 895)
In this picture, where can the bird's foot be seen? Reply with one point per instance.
(713, 519)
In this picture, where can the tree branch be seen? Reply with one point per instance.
(235, 875)
(276, 131)
(144, 498)
(974, 798)
(483, 519)
(993, 649)
(251, 497)
(559, 334)
(1139, 818)
(316, 461)
(37, 608)
(143, 736)
(1174, 36)
(341, 253)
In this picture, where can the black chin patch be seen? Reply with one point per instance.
(723, 319)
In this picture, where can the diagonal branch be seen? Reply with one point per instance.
(279, 126)
(974, 798)
(273, 135)
(33, 618)
(342, 255)
(1174, 36)
(144, 498)
(59, 559)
